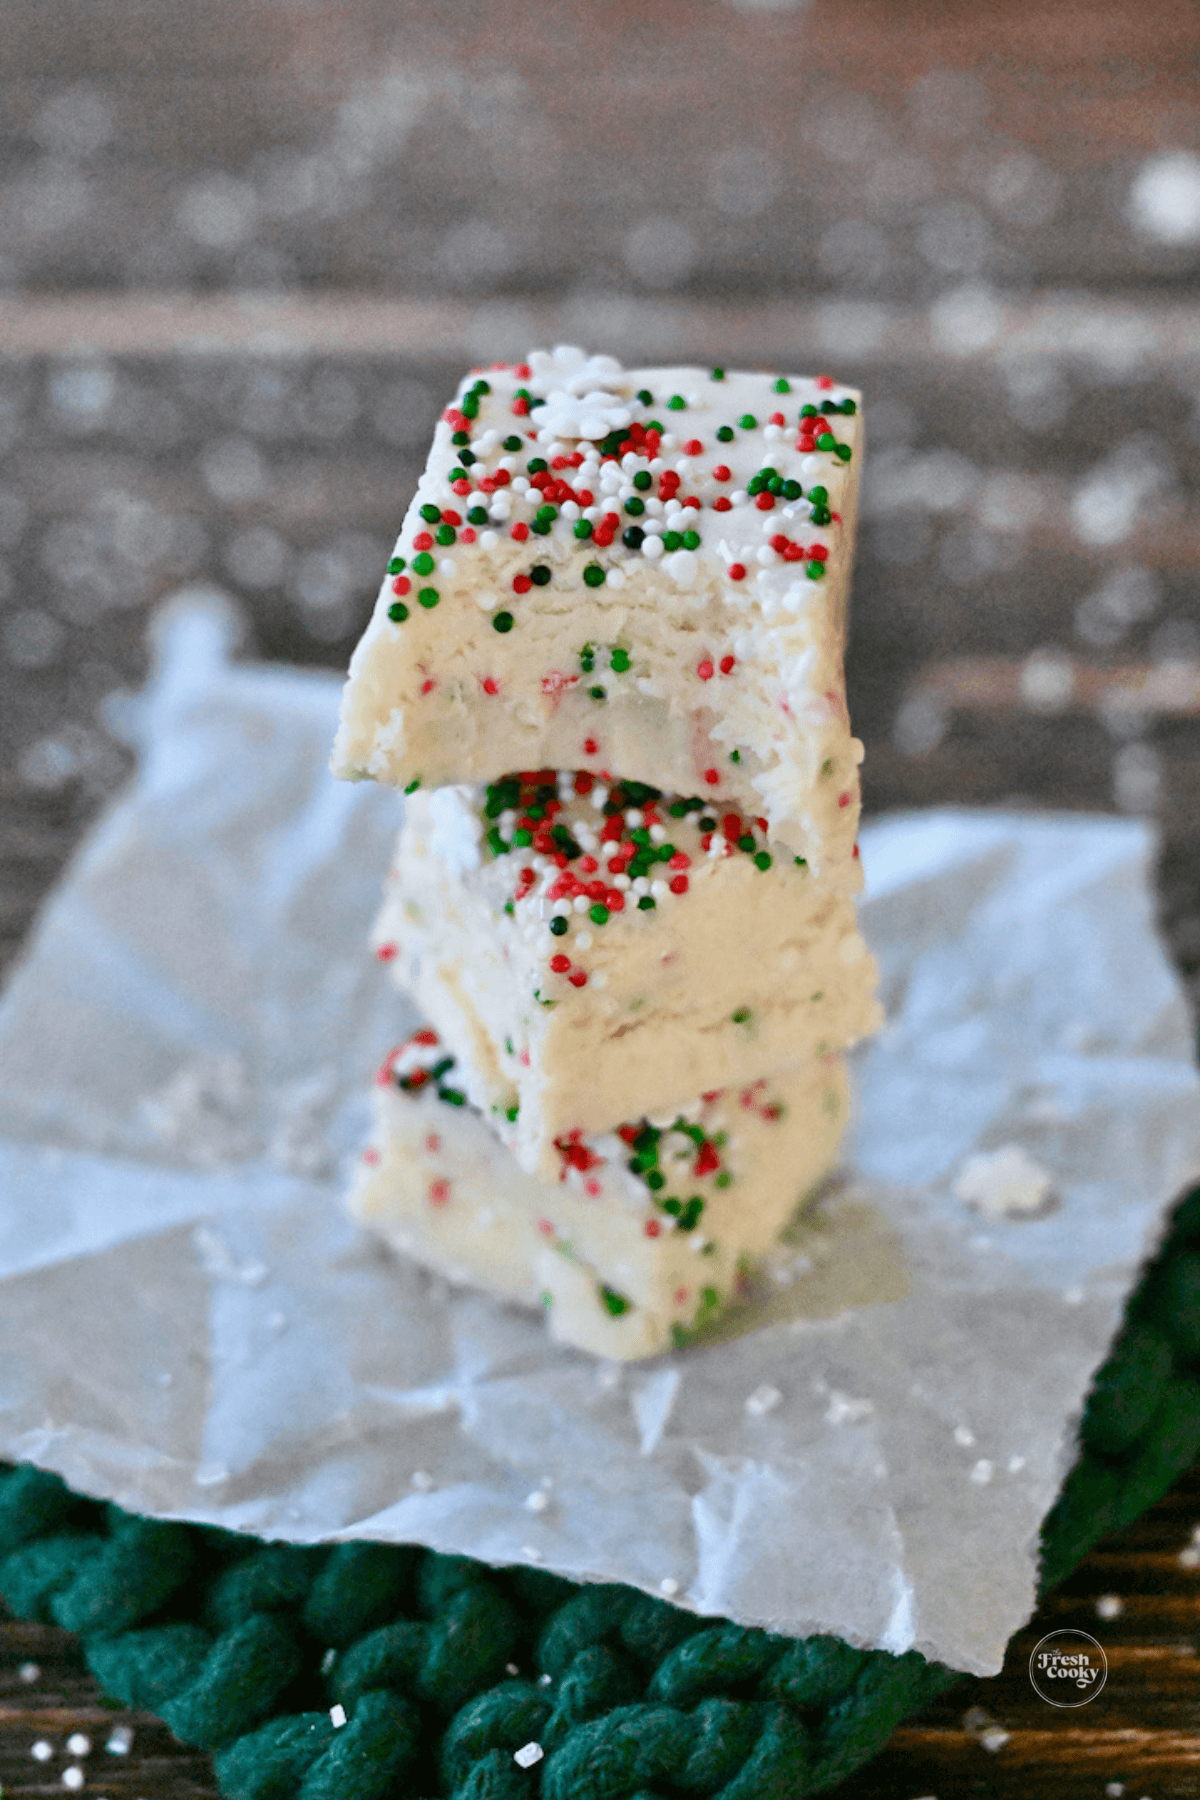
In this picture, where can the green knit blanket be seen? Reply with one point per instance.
(377, 1672)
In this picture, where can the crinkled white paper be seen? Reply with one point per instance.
(189, 1326)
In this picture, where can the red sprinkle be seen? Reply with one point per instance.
(819, 553)
(520, 531)
(680, 860)
(679, 884)
(727, 664)
(602, 536)
(428, 685)
(468, 536)
(722, 472)
(462, 486)
(386, 952)
(577, 978)
(737, 571)
(371, 1157)
(490, 685)
(439, 1193)
(450, 517)
(401, 585)
(584, 783)
(764, 501)
(713, 777)
(426, 1035)
(614, 899)
(422, 541)
(844, 799)
(652, 1228)
(722, 503)
(824, 382)
(794, 553)
(705, 670)
(707, 1161)
(776, 419)
(693, 447)
(433, 1143)
(521, 584)
(731, 825)
(590, 748)
(560, 964)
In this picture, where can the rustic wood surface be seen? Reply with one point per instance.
(246, 247)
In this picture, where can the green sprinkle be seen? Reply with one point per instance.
(821, 515)
(615, 1303)
(396, 566)
(735, 756)
(413, 785)
(423, 564)
(725, 434)
(776, 485)
(783, 386)
(710, 1298)
(792, 490)
(850, 406)
(558, 927)
(470, 406)
(477, 516)
(598, 693)
(593, 576)
(452, 1096)
(397, 612)
(540, 574)
(808, 412)
(643, 479)
(827, 441)
(583, 528)
(428, 596)
(802, 862)
(656, 1179)
(510, 909)
(655, 425)
(541, 527)
(646, 397)
(818, 495)
(746, 843)
(827, 767)
(635, 507)
(522, 839)
(815, 571)
(633, 537)
(843, 451)
(431, 514)
(458, 474)
(547, 1299)
(741, 1016)
(502, 621)
(499, 847)
(512, 443)
(691, 540)
(461, 437)
(748, 422)
(672, 540)
(707, 824)
(510, 1113)
(677, 403)
(689, 1218)
(762, 860)
(647, 903)
(537, 465)
(723, 1179)
(620, 660)
(481, 387)
(717, 375)
(598, 914)
(446, 534)
(819, 995)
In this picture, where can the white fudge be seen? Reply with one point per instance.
(628, 571)
(592, 952)
(642, 1233)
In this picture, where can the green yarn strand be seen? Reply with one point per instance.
(368, 1755)
(270, 1763)
(243, 1675)
(504, 1718)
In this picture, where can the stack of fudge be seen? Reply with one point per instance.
(606, 668)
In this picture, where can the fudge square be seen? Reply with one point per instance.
(591, 951)
(643, 572)
(639, 1235)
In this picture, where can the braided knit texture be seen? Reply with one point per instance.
(243, 1647)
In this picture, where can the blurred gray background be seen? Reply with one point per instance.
(246, 249)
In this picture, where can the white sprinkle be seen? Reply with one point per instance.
(1015, 1464)
(73, 1778)
(739, 497)
(79, 1744)
(511, 1669)
(764, 1399)
(765, 556)
(583, 940)
(1073, 1296)
(29, 1672)
(982, 1473)
(545, 1680)
(42, 1751)
(328, 1660)
(527, 1755)
(652, 547)
(1114, 1789)
(994, 1737)
(1109, 1606)
(658, 834)
(120, 1742)
(621, 883)
(1190, 1558)
(963, 1436)
(659, 889)
(447, 565)
(616, 578)
(488, 540)
(422, 1481)
(581, 903)
(668, 1586)
(842, 1410)
(537, 1502)
(337, 1716)
(531, 1552)
(599, 979)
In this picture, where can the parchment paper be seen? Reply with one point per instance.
(189, 1326)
